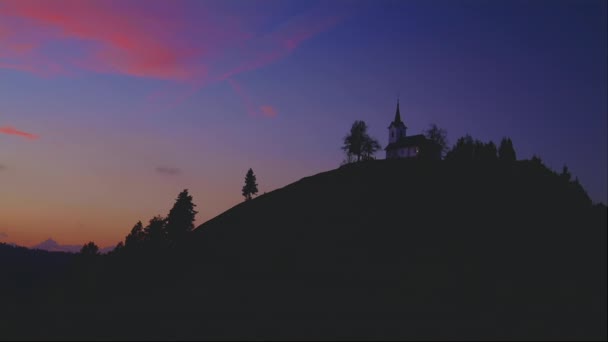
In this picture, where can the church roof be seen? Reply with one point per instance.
(412, 140)
(397, 122)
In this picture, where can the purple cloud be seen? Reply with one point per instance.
(169, 171)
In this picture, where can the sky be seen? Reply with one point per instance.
(109, 108)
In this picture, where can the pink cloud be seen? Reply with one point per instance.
(158, 40)
(11, 131)
(122, 40)
(154, 41)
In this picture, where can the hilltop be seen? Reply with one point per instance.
(388, 249)
(480, 249)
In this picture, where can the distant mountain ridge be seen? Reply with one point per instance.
(51, 245)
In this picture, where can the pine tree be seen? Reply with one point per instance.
(180, 220)
(506, 152)
(566, 175)
(156, 233)
(89, 250)
(487, 152)
(136, 237)
(463, 150)
(251, 187)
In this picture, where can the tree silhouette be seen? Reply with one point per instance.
(119, 248)
(136, 237)
(359, 144)
(463, 150)
(180, 220)
(566, 175)
(348, 159)
(439, 136)
(468, 149)
(370, 146)
(251, 187)
(156, 233)
(506, 152)
(89, 249)
(485, 152)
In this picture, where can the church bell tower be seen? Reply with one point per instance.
(397, 128)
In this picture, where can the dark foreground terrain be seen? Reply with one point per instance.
(376, 250)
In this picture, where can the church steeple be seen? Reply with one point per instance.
(397, 114)
(397, 122)
(397, 128)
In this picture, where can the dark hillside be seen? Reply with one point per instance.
(24, 274)
(400, 249)
(486, 249)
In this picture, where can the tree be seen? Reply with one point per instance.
(89, 250)
(180, 220)
(566, 175)
(136, 237)
(156, 233)
(486, 152)
(119, 248)
(370, 146)
(506, 152)
(463, 150)
(469, 149)
(348, 159)
(359, 144)
(439, 136)
(251, 187)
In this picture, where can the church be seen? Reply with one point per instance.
(414, 146)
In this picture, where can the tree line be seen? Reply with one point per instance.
(169, 232)
(359, 146)
(166, 232)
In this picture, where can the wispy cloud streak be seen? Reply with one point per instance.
(238, 89)
(268, 111)
(157, 41)
(169, 171)
(12, 131)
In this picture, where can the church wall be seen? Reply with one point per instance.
(404, 152)
(407, 152)
(395, 133)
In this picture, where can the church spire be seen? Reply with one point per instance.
(397, 114)
(398, 122)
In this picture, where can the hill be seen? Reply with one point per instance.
(22, 269)
(391, 249)
(415, 249)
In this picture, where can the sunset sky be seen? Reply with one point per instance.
(109, 108)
